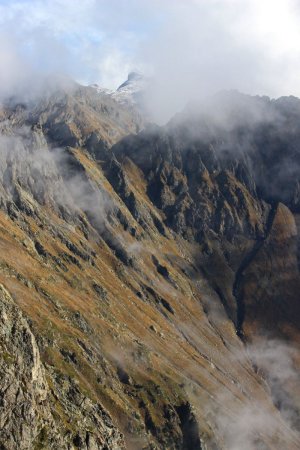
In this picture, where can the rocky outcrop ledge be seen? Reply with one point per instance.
(26, 419)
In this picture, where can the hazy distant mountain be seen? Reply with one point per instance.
(149, 277)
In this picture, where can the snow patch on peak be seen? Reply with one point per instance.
(101, 90)
(130, 93)
(134, 81)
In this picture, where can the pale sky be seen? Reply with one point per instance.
(190, 46)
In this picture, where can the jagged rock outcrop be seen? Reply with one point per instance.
(194, 192)
(25, 413)
(75, 116)
(28, 412)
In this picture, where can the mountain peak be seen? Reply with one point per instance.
(129, 93)
(134, 78)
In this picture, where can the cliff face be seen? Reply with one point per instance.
(136, 280)
(24, 389)
(29, 396)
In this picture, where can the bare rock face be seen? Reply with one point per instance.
(187, 182)
(76, 116)
(26, 413)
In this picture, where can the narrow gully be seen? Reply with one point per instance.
(236, 289)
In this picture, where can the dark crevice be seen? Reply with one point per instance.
(123, 375)
(149, 424)
(189, 427)
(159, 300)
(236, 290)
(87, 440)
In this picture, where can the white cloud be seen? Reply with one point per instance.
(193, 47)
(250, 45)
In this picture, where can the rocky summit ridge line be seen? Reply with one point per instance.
(149, 276)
